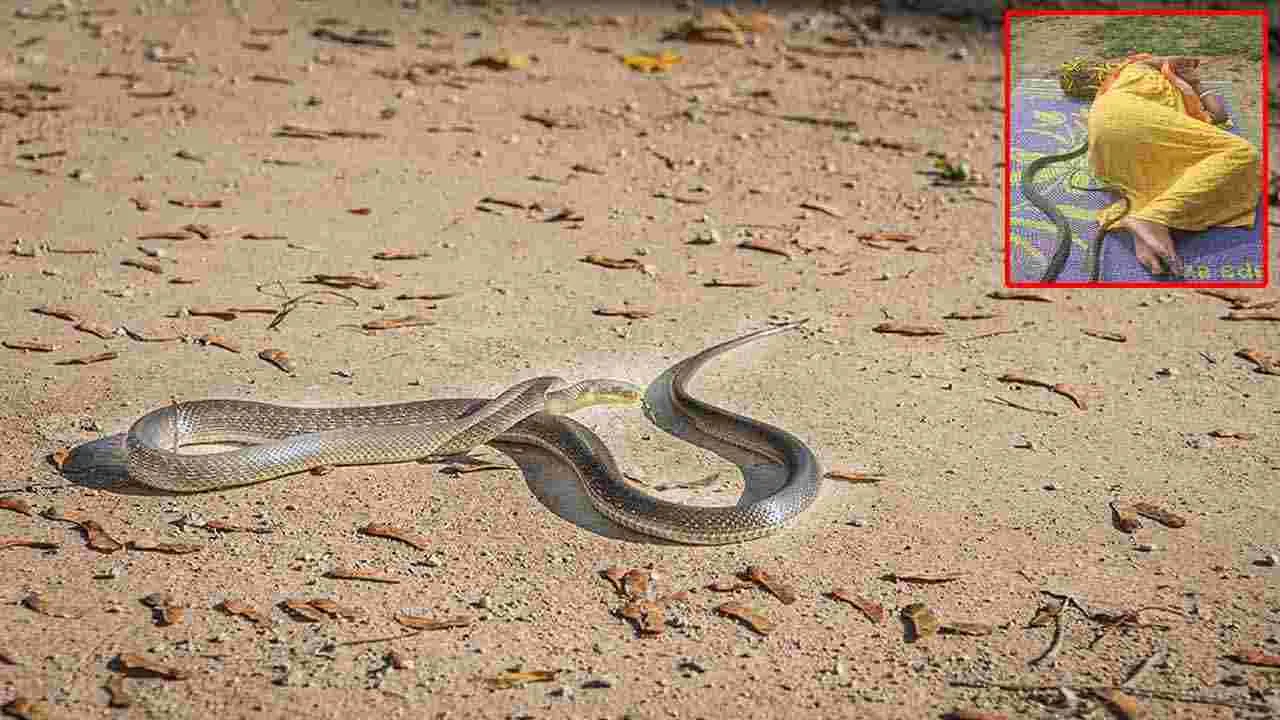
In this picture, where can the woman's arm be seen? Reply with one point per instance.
(1214, 106)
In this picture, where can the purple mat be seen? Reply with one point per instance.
(1045, 122)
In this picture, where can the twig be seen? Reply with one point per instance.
(388, 638)
(1092, 689)
(985, 335)
(1156, 657)
(996, 399)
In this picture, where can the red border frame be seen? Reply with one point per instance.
(1260, 13)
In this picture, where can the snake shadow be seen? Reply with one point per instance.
(101, 464)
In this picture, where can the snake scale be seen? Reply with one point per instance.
(1062, 251)
(282, 440)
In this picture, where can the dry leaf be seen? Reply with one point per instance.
(168, 235)
(168, 612)
(393, 323)
(391, 532)
(920, 622)
(887, 237)
(629, 313)
(95, 537)
(1121, 704)
(765, 247)
(1124, 519)
(1023, 380)
(144, 265)
(854, 476)
(1071, 393)
(400, 255)
(502, 60)
(1026, 295)
(637, 584)
(1266, 363)
(519, 678)
(165, 547)
(924, 578)
(150, 334)
(218, 341)
(746, 614)
(1265, 315)
(898, 328)
(726, 586)
(208, 312)
(60, 457)
(279, 358)
(421, 623)
(1105, 335)
(971, 714)
(614, 575)
(368, 282)
(426, 296)
(761, 577)
(29, 345)
(399, 661)
(648, 616)
(197, 203)
(89, 359)
(139, 665)
(1164, 517)
(57, 312)
(824, 209)
(1237, 299)
(236, 607)
(8, 542)
(37, 603)
(612, 263)
(661, 62)
(873, 611)
(966, 628)
(18, 505)
(1257, 657)
(25, 708)
(203, 230)
(303, 610)
(350, 573)
(224, 526)
(117, 697)
(1232, 435)
(97, 329)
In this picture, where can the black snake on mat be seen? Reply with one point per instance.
(1063, 250)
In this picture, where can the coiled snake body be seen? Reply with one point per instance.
(289, 440)
(1062, 252)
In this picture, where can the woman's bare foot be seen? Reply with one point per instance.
(1153, 246)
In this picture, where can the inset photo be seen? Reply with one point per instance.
(1135, 152)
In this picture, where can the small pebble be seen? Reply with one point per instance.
(600, 682)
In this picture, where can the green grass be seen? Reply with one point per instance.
(1240, 36)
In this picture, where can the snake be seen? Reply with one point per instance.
(1062, 251)
(279, 440)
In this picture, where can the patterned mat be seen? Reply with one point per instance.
(1046, 122)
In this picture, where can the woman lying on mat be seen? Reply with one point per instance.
(1153, 136)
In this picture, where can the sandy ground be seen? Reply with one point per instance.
(1011, 500)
